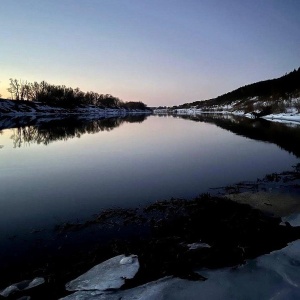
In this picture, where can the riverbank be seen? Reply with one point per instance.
(281, 110)
(287, 118)
(20, 108)
(170, 238)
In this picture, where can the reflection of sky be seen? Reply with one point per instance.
(159, 52)
(133, 164)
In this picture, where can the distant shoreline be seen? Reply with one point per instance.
(30, 108)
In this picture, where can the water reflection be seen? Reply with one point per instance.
(43, 131)
(286, 136)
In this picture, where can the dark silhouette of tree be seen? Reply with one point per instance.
(135, 105)
(14, 88)
(62, 96)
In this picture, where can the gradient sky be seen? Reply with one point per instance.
(161, 52)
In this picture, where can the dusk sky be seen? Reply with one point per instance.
(161, 52)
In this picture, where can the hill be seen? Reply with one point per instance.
(279, 95)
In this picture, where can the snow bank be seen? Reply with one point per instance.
(284, 118)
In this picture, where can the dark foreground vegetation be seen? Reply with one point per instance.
(62, 96)
(160, 234)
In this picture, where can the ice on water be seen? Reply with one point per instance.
(23, 285)
(273, 276)
(150, 291)
(293, 219)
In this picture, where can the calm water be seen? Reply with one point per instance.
(59, 171)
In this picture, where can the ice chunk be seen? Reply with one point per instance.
(35, 282)
(195, 246)
(126, 260)
(150, 291)
(9, 290)
(272, 276)
(23, 285)
(110, 274)
(293, 219)
(88, 295)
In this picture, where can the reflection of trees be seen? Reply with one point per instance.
(64, 129)
(1, 146)
(286, 137)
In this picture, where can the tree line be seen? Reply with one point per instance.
(60, 95)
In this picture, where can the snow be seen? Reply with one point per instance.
(127, 260)
(284, 118)
(271, 276)
(23, 285)
(110, 274)
(291, 117)
(290, 109)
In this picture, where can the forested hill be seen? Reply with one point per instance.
(281, 88)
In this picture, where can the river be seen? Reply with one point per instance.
(58, 170)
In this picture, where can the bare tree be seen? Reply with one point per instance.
(24, 90)
(14, 88)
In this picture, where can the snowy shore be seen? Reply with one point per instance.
(28, 108)
(288, 112)
(293, 118)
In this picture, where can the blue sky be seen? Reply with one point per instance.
(164, 52)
